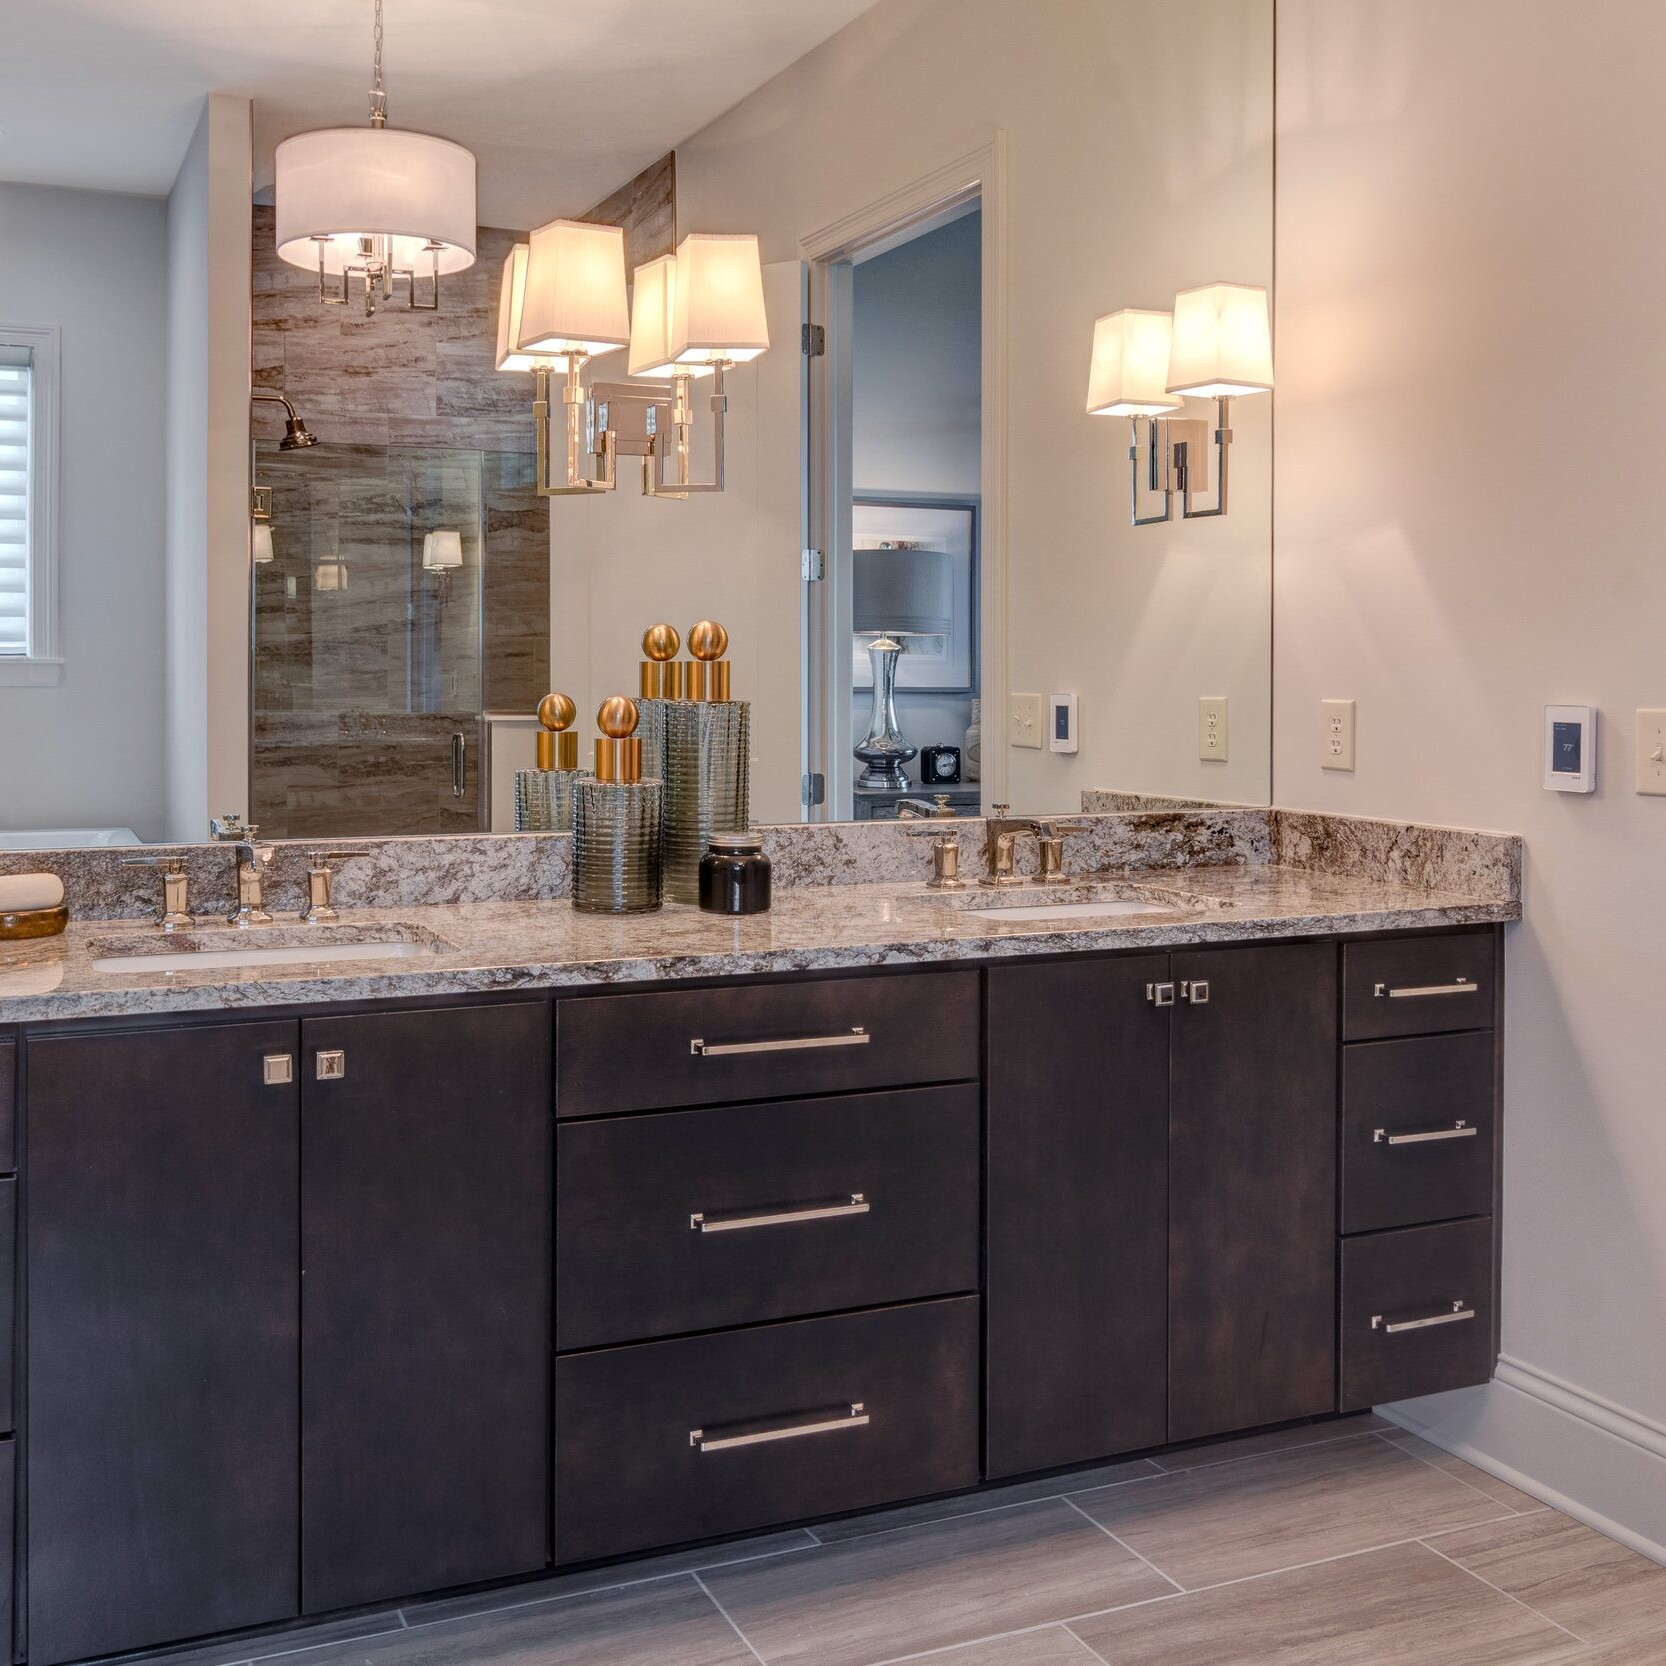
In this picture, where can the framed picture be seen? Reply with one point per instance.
(914, 577)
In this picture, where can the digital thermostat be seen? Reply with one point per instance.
(1570, 749)
(1061, 722)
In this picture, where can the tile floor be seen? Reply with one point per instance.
(1350, 1544)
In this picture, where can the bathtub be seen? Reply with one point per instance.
(69, 838)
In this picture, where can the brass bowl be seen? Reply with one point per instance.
(33, 922)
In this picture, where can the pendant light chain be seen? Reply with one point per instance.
(378, 98)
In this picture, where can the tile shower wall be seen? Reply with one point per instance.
(360, 690)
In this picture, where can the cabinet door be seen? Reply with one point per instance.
(1252, 1188)
(425, 1224)
(161, 1349)
(1077, 1198)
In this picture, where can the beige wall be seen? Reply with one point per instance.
(207, 421)
(1471, 514)
(1139, 161)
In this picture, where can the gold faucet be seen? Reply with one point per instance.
(252, 860)
(1001, 833)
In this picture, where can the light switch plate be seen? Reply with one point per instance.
(1651, 752)
(1336, 734)
(1211, 728)
(1024, 720)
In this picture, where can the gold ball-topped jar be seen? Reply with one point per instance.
(619, 748)
(616, 717)
(661, 642)
(708, 676)
(661, 670)
(557, 749)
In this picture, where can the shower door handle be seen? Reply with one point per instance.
(459, 764)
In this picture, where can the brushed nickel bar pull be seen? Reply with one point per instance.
(858, 1205)
(1458, 1131)
(1456, 1317)
(1458, 986)
(856, 1418)
(856, 1037)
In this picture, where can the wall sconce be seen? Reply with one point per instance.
(330, 574)
(442, 554)
(563, 303)
(696, 313)
(1217, 344)
(261, 540)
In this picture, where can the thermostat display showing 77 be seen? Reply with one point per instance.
(1570, 749)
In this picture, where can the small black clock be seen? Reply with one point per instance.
(939, 766)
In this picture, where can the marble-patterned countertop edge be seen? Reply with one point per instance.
(495, 947)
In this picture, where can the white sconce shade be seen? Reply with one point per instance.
(442, 551)
(1130, 367)
(344, 183)
(261, 543)
(511, 298)
(1222, 345)
(653, 317)
(718, 307)
(330, 575)
(574, 300)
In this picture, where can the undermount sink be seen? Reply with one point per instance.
(196, 950)
(1083, 900)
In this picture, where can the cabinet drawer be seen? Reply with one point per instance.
(8, 1107)
(1417, 1130)
(1404, 1297)
(700, 1219)
(1417, 986)
(670, 1441)
(764, 1041)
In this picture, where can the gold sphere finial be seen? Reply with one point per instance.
(708, 640)
(661, 642)
(557, 711)
(617, 717)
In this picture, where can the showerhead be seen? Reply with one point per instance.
(296, 435)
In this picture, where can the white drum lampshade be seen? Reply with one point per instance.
(574, 300)
(442, 550)
(1130, 367)
(718, 308)
(344, 183)
(261, 543)
(1222, 345)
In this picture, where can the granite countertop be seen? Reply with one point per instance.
(470, 947)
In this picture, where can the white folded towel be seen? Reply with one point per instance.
(20, 893)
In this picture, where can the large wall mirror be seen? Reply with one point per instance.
(267, 554)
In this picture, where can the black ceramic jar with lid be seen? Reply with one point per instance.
(734, 874)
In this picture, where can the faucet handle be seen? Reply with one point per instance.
(231, 827)
(168, 864)
(320, 910)
(175, 911)
(1000, 812)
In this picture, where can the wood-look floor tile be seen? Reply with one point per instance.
(1022, 1492)
(1512, 1498)
(1054, 1646)
(1233, 1520)
(1596, 1588)
(670, 1620)
(1402, 1604)
(928, 1587)
(606, 1578)
(1280, 1440)
(267, 1645)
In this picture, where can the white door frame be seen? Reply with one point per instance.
(830, 252)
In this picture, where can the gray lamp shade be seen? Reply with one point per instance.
(903, 588)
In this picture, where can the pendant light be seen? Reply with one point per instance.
(375, 205)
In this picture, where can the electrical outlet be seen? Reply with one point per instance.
(1336, 736)
(1651, 753)
(1024, 721)
(1211, 728)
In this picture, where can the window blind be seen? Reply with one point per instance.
(14, 499)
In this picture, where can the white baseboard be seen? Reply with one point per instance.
(1599, 1462)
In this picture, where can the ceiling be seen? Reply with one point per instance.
(560, 100)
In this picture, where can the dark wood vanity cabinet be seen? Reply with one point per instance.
(1162, 1159)
(337, 1310)
(426, 1269)
(163, 1299)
